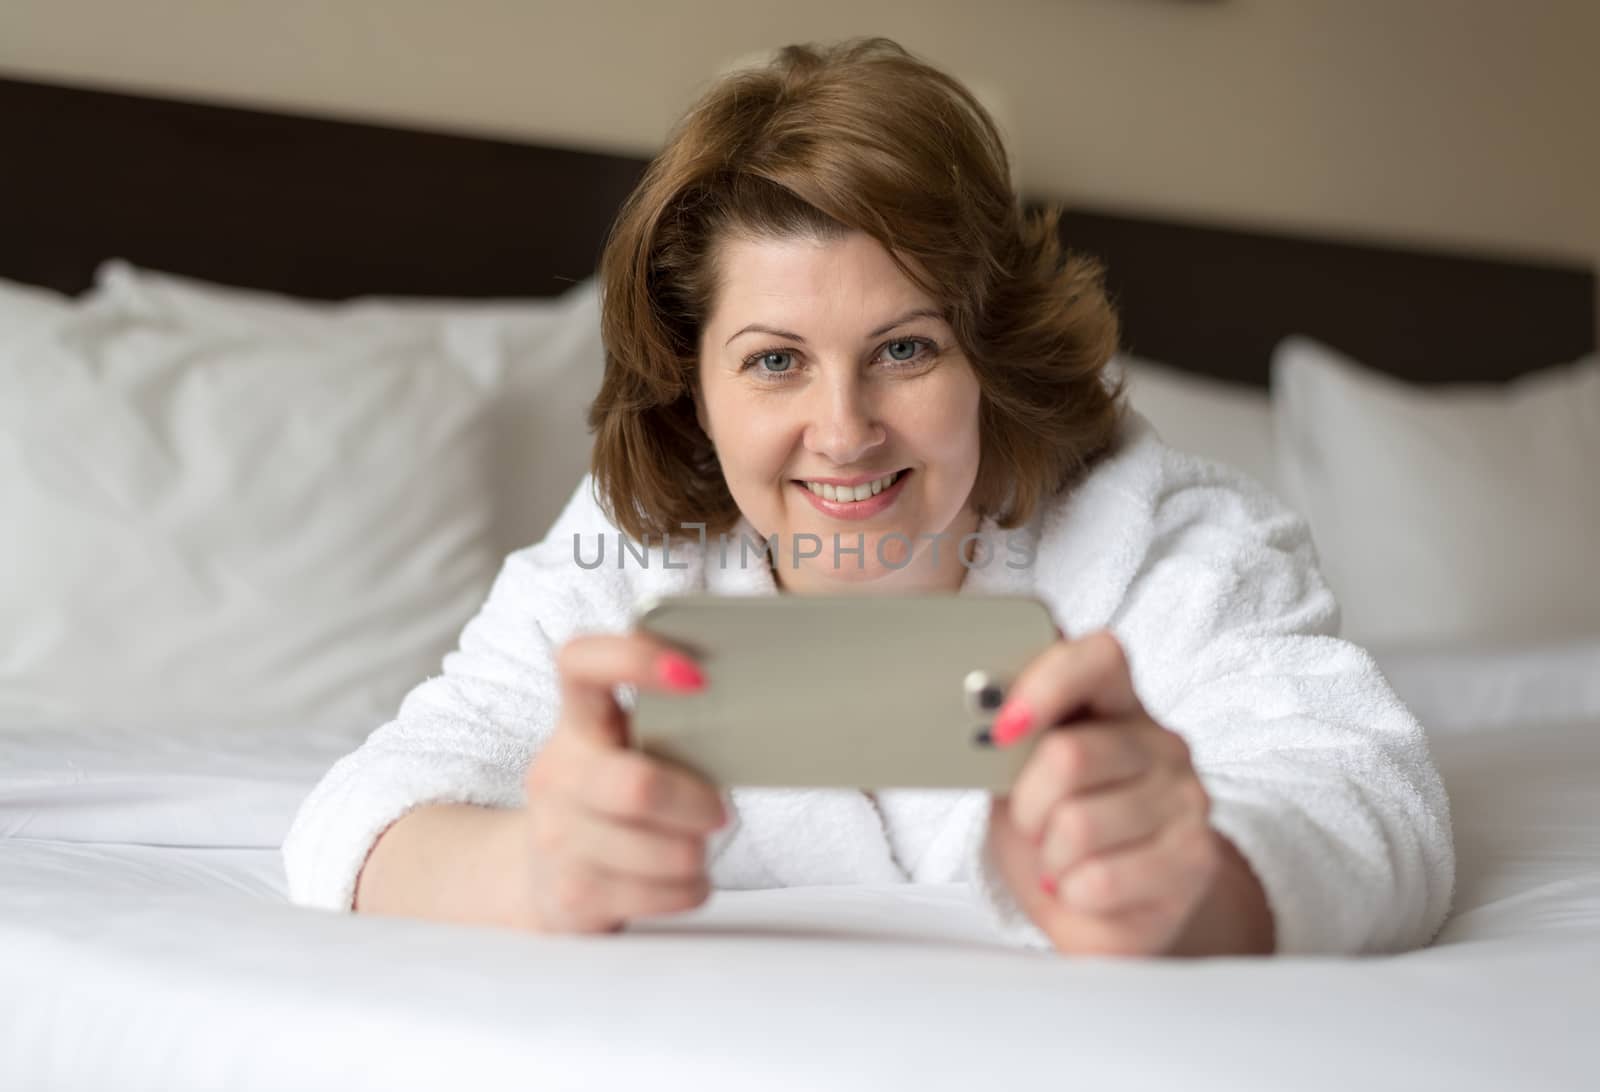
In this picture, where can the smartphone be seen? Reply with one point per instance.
(843, 691)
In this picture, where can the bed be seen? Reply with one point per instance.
(144, 931)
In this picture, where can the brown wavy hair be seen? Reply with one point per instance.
(864, 137)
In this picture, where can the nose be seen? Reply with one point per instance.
(842, 425)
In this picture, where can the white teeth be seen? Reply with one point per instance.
(848, 493)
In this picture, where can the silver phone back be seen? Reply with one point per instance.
(847, 691)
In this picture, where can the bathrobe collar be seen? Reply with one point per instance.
(736, 572)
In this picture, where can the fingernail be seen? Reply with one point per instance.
(1012, 723)
(678, 672)
(1048, 883)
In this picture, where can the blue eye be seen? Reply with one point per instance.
(908, 350)
(774, 362)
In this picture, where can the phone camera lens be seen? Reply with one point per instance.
(983, 738)
(984, 692)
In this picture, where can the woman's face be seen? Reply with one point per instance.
(823, 369)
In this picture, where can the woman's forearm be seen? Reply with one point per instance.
(449, 862)
(1234, 918)
(453, 862)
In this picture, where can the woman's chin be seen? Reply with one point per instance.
(864, 571)
(816, 579)
(850, 553)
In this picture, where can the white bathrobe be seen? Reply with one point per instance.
(1316, 771)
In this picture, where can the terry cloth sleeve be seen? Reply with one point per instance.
(1317, 772)
(464, 736)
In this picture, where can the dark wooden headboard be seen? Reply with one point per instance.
(313, 207)
(331, 209)
(1216, 301)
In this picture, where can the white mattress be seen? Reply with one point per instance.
(153, 785)
(176, 964)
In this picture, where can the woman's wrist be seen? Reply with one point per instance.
(448, 862)
(1234, 918)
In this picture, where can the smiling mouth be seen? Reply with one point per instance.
(851, 494)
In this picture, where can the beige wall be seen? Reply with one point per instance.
(1464, 122)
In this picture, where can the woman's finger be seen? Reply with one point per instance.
(614, 845)
(1172, 868)
(1137, 931)
(1070, 761)
(1086, 676)
(1111, 818)
(635, 787)
(592, 898)
(592, 665)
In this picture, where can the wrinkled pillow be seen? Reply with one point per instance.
(1227, 422)
(543, 357)
(24, 308)
(1463, 515)
(206, 527)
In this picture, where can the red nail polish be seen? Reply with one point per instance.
(678, 672)
(1012, 723)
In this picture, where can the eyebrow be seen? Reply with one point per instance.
(757, 328)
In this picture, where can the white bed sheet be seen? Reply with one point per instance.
(179, 966)
(156, 785)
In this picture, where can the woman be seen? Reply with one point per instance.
(825, 314)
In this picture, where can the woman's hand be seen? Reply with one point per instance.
(611, 833)
(1105, 838)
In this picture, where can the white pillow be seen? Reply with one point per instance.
(24, 307)
(1464, 515)
(205, 528)
(1500, 687)
(544, 358)
(1228, 422)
